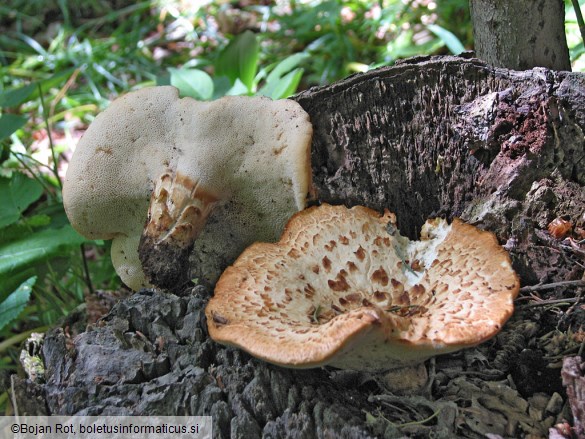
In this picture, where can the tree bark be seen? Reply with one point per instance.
(520, 34)
(432, 136)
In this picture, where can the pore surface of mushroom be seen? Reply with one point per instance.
(344, 288)
(155, 171)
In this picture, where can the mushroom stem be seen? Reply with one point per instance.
(179, 207)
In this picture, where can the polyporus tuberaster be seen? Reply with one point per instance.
(216, 176)
(341, 289)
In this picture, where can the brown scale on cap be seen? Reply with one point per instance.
(341, 292)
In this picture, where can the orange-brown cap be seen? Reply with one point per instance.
(341, 289)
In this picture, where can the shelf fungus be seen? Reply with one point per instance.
(170, 179)
(344, 288)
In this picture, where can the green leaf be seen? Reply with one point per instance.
(16, 302)
(35, 248)
(23, 227)
(9, 123)
(286, 65)
(451, 41)
(163, 79)
(238, 89)
(239, 60)
(38, 220)
(221, 86)
(15, 97)
(16, 194)
(287, 85)
(276, 77)
(193, 83)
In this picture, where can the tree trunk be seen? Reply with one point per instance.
(520, 34)
(431, 136)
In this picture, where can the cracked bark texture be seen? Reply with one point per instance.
(521, 34)
(445, 136)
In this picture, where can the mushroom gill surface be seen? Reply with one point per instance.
(343, 288)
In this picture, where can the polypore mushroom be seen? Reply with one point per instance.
(226, 172)
(341, 289)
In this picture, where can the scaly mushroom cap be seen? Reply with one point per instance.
(227, 172)
(343, 288)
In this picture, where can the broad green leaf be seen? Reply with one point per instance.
(8, 285)
(287, 85)
(221, 86)
(238, 89)
(16, 302)
(35, 248)
(239, 60)
(16, 194)
(23, 227)
(56, 211)
(286, 65)
(276, 76)
(163, 79)
(17, 96)
(447, 37)
(402, 46)
(9, 123)
(193, 83)
(38, 220)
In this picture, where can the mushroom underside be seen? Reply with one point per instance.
(343, 288)
(173, 163)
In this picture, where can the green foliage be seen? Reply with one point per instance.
(29, 240)
(575, 35)
(344, 36)
(10, 123)
(16, 194)
(193, 83)
(238, 61)
(38, 246)
(448, 38)
(14, 304)
(238, 73)
(283, 79)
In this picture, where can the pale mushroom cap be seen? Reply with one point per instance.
(253, 154)
(339, 290)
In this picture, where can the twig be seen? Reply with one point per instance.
(551, 302)
(55, 167)
(544, 287)
(86, 271)
(63, 91)
(579, 296)
(579, 16)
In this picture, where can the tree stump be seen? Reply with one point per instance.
(441, 136)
